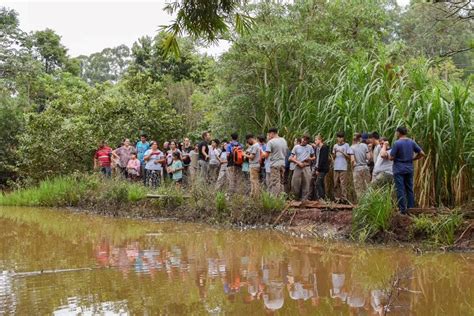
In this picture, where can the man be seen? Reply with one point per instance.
(360, 169)
(253, 155)
(403, 153)
(290, 167)
(302, 155)
(276, 151)
(222, 177)
(234, 169)
(203, 156)
(262, 140)
(141, 147)
(102, 159)
(374, 149)
(321, 168)
(383, 168)
(341, 153)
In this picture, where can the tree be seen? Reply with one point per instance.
(50, 50)
(428, 30)
(108, 65)
(204, 19)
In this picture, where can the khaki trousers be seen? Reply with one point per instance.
(300, 182)
(361, 176)
(235, 176)
(340, 185)
(277, 180)
(255, 181)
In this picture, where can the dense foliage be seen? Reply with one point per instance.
(312, 66)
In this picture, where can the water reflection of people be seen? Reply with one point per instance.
(273, 296)
(337, 291)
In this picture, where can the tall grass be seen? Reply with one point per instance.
(59, 191)
(373, 213)
(71, 190)
(375, 93)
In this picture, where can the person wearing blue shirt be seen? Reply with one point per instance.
(404, 151)
(142, 146)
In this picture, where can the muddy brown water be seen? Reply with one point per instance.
(62, 263)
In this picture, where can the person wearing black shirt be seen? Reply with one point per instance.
(203, 155)
(321, 168)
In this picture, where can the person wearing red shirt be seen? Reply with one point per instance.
(102, 159)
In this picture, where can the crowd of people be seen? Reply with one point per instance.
(267, 162)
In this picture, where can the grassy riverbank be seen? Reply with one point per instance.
(373, 220)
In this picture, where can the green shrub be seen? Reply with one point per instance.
(439, 230)
(136, 192)
(221, 203)
(373, 213)
(115, 191)
(271, 203)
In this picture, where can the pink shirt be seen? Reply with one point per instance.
(134, 164)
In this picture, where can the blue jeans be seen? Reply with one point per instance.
(405, 194)
(106, 171)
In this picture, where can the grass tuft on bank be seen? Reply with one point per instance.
(373, 213)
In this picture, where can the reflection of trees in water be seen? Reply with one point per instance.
(198, 269)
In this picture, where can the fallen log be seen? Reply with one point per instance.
(163, 196)
(320, 205)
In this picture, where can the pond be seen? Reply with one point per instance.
(63, 263)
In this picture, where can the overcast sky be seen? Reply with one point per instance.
(87, 27)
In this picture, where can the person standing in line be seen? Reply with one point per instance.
(177, 169)
(173, 148)
(154, 164)
(194, 164)
(301, 155)
(123, 154)
(203, 156)
(262, 142)
(186, 149)
(222, 178)
(321, 167)
(103, 159)
(374, 146)
(383, 168)
(404, 151)
(214, 164)
(360, 169)
(133, 167)
(290, 167)
(341, 152)
(141, 147)
(164, 165)
(234, 168)
(276, 151)
(253, 156)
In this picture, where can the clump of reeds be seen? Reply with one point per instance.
(373, 213)
(374, 93)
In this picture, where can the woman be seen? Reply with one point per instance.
(214, 164)
(154, 159)
(123, 154)
(173, 148)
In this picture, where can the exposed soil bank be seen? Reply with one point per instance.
(303, 223)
